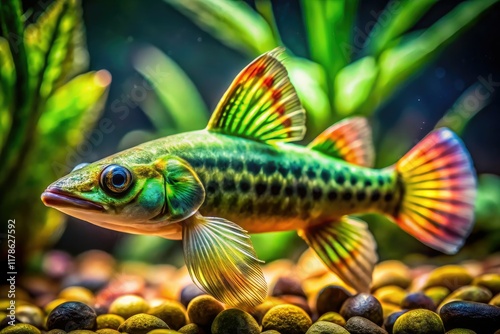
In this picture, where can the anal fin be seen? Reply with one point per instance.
(347, 248)
(221, 260)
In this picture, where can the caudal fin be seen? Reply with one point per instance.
(439, 190)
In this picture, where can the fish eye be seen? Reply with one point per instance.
(116, 179)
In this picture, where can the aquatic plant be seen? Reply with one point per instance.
(46, 111)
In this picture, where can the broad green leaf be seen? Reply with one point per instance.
(472, 101)
(309, 80)
(175, 90)
(52, 42)
(7, 79)
(232, 22)
(354, 84)
(72, 110)
(399, 62)
(397, 18)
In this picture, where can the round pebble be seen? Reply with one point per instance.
(53, 304)
(333, 317)
(326, 327)
(107, 331)
(111, 321)
(388, 309)
(360, 325)
(331, 298)
(489, 281)
(391, 320)
(172, 312)
(202, 310)
(471, 315)
(469, 293)
(141, 324)
(363, 305)
(260, 310)
(286, 318)
(128, 305)
(418, 300)
(297, 301)
(392, 294)
(77, 293)
(60, 331)
(461, 331)
(418, 321)
(234, 320)
(495, 300)
(391, 273)
(437, 293)
(163, 331)
(72, 315)
(288, 286)
(21, 329)
(189, 292)
(271, 331)
(30, 314)
(191, 329)
(451, 276)
(81, 331)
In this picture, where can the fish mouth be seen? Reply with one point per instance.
(58, 198)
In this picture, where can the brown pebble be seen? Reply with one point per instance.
(288, 286)
(363, 305)
(418, 300)
(202, 310)
(360, 325)
(287, 318)
(450, 276)
(331, 298)
(191, 329)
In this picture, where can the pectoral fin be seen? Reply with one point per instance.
(221, 260)
(347, 248)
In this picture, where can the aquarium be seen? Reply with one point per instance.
(257, 166)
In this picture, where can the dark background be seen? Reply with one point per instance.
(117, 29)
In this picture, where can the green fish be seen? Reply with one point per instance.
(240, 175)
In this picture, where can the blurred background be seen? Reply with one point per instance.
(169, 62)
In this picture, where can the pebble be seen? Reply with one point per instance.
(30, 314)
(391, 294)
(391, 320)
(260, 310)
(469, 293)
(202, 310)
(495, 300)
(110, 321)
(297, 301)
(331, 298)
(172, 312)
(53, 304)
(437, 293)
(72, 315)
(106, 331)
(450, 276)
(77, 293)
(271, 331)
(363, 305)
(81, 331)
(326, 327)
(360, 325)
(418, 321)
(471, 315)
(391, 273)
(461, 331)
(333, 317)
(21, 329)
(287, 319)
(128, 305)
(189, 292)
(142, 323)
(191, 329)
(418, 300)
(489, 281)
(234, 320)
(288, 286)
(163, 331)
(60, 331)
(388, 309)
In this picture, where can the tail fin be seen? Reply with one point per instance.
(439, 190)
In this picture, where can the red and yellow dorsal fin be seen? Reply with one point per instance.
(261, 104)
(349, 140)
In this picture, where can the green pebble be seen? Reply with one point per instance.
(437, 293)
(128, 305)
(333, 317)
(111, 321)
(489, 281)
(287, 319)
(21, 329)
(163, 331)
(418, 321)
(450, 276)
(271, 331)
(172, 312)
(81, 331)
(326, 327)
(141, 324)
(107, 331)
(58, 331)
(192, 329)
(469, 293)
(202, 310)
(495, 300)
(461, 331)
(235, 321)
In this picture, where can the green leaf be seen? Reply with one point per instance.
(7, 80)
(472, 101)
(309, 80)
(399, 62)
(395, 20)
(354, 84)
(72, 111)
(232, 22)
(53, 42)
(174, 89)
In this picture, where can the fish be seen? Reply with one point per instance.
(242, 174)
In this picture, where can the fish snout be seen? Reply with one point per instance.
(58, 198)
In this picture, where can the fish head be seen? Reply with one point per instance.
(135, 198)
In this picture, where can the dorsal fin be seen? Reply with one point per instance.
(349, 140)
(261, 104)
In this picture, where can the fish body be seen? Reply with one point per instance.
(242, 175)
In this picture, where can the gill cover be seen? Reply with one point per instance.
(184, 192)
